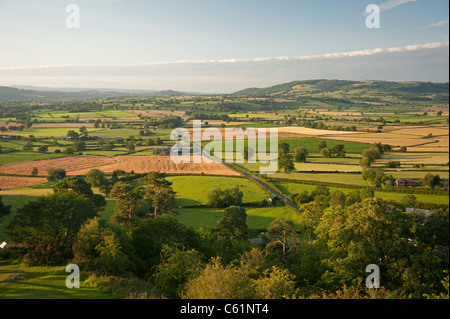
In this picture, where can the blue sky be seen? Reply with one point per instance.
(216, 45)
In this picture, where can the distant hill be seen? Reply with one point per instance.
(30, 93)
(311, 87)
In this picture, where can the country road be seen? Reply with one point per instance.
(249, 176)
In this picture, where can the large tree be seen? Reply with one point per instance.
(282, 234)
(160, 191)
(286, 163)
(48, 225)
(4, 210)
(128, 198)
(380, 233)
(81, 188)
(233, 224)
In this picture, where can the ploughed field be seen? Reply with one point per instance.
(80, 165)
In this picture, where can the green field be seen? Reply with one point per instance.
(43, 282)
(21, 156)
(340, 178)
(310, 143)
(296, 188)
(193, 190)
(257, 217)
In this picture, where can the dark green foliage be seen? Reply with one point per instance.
(48, 225)
(149, 237)
(4, 210)
(233, 224)
(219, 198)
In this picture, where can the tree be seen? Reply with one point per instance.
(325, 152)
(322, 145)
(79, 146)
(233, 224)
(69, 151)
(83, 131)
(177, 267)
(73, 135)
(97, 249)
(55, 174)
(377, 232)
(276, 283)
(34, 171)
(219, 198)
(81, 188)
(286, 163)
(431, 180)
(129, 198)
(219, 282)
(4, 210)
(48, 225)
(131, 147)
(372, 153)
(282, 233)
(96, 177)
(372, 175)
(28, 146)
(150, 236)
(160, 191)
(283, 148)
(43, 149)
(337, 198)
(339, 151)
(300, 154)
(109, 146)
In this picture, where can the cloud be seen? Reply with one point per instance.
(393, 3)
(327, 56)
(438, 24)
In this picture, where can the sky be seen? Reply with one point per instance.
(219, 46)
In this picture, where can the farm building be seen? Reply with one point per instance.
(406, 182)
(167, 151)
(162, 151)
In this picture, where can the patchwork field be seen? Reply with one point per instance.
(80, 165)
(7, 182)
(433, 138)
(70, 164)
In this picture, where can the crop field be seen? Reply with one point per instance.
(416, 158)
(339, 178)
(296, 188)
(193, 190)
(17, 157)
(416, 139)
(8, 182)
(257, 218)
(42, 282)
(70, 164)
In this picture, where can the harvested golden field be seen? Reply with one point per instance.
(62, 125)
(146, 164)
(158, 113)
(312, 132)
(415, 138)
(69, 164)
(10, 182)
(80, 165)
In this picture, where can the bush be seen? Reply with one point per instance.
(218, 198)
